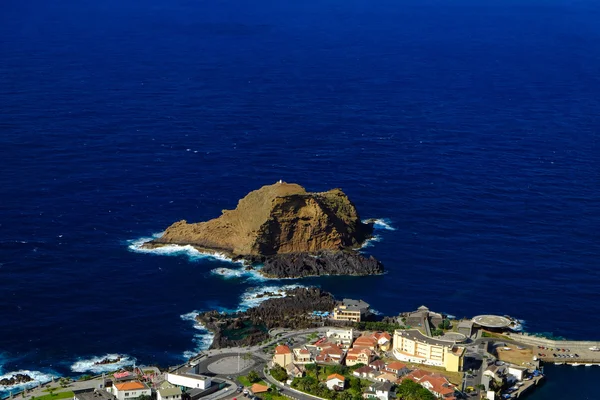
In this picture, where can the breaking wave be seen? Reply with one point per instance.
(369, 242)
(192, 253)
(90, 364)
(242, 272)
(38, 378)
(383, 223)
(202, 339)
(252, 297)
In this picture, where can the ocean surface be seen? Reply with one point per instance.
(470, 129)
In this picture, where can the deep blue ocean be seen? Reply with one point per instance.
(470, 128)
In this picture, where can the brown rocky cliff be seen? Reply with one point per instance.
(276, 219)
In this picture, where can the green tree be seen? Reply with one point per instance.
(445, 324)
(279, 373)
(437, 332)
(253, 376)
(410, 390)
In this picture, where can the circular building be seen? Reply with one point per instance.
(491, 321)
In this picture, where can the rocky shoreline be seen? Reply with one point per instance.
(16, 379)
(251, 327)
(300, 265)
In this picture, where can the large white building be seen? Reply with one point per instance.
(189, 380)
(412, 346)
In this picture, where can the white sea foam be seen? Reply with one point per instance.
(38, 377)
(383, 223)
(254, 296)
(202, 339)
(248, 274)
(175, 250)
(89, 365)
(369, 242)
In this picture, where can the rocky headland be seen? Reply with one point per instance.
(292, 232)
(251, 327)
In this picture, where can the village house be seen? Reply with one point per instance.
(343, 337)
(330, 353)
(130, 390)
(365, 372)
(283, 356)
(379, 390)
(350, 310)
(295, 370)
(365, 342)
(302, 356)
(167, 391)
(358, 356)
(386, 377)
(384, 340)
(398, 368)
(335, 382)
(435, 383)
(378, 365)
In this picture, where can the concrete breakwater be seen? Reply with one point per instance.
(560, 351)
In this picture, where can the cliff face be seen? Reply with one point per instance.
(276, 219)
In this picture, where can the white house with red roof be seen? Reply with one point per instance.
(435, 383)
(335, 382)
(397, 367)
(359, 356)
(331, 353)
(130, 390)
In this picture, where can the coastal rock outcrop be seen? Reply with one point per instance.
(251, 327)
(295, 265)
(293, 232)
(16, 379)
(276, 219)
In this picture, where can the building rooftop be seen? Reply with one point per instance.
(169, 391)
(336, 376)
(491, 321)
(282, 349)
(133, 385)
(415, 334)
(96, 394)
(355, 305)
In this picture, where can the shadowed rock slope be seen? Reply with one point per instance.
(275, 219)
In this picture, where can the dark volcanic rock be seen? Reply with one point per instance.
(296, 265)
(251, 327)
(16, 379)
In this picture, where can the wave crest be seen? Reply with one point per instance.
(38, 378)
(203, 339)
(191, 252)
(89, 365)
(383, 224)
(252, 297)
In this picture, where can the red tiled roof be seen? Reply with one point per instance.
(334, 376)
(396, 365)
(134, 385)
(282, 349)
(258, 388)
